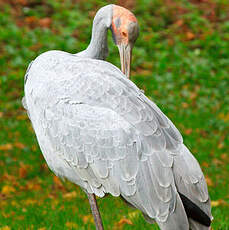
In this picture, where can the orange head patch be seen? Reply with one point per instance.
(124, 25)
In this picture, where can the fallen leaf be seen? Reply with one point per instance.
(6, 190)
(224, 117)
(71, 225)
(30, 202)
(224, 156)
(188, 131)
(133, 215)
(190, 35)
(14, 203)
(1, 114)
(21, 218)
(209, 181)
(205, 164)
(220, 145)
(45, 22)
(5, 228)
(170, 42)
(88, 219)
(36, 46)
(124, 221)
(22, 172)
(31, 20)
(22, 117)
(22, 2)
(184, 105)
(193, 95)
(34, 148)
(57, 181)
(5, 215)
(6, 147)
(19, 145)
(215, 203)
(217, 162)
(179, 22)
(70, 195)
(33, 186)
(143, 72)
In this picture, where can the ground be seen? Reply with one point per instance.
(181, 60)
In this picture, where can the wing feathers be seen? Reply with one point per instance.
(109, 138)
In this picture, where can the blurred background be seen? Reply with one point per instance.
(181, 60)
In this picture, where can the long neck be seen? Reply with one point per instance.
(97, 48)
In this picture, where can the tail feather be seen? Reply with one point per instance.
(194, 212)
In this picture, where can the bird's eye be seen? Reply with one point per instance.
(124, 34)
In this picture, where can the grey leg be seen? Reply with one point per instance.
(95, 211)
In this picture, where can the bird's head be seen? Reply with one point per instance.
(125, 31)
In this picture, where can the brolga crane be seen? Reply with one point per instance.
(97, 129)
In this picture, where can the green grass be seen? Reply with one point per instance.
(181, 60)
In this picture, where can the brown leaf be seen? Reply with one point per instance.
(70, 195)
(188, 131)
(45, 22)
(22, 172)
(31, 20)
(215, 203)
(71, 225)
(217, 162)
(19, 145)
(220, 145)
(205, 164)
(30, 202)
(184, 105)
(33, 186)
(6, 189)
(88, 219)
(224, 156)
(224, 117)
(21, 2)
(143, 72)
(35, 47)
(170, 42)
(193, 95)
(1, 114)
(133, 215)
(209, 181)
(190, 36)
(5, 228)
(34, 148)
(57, 182)
(124, 221)
(179, 22)
(20, 218)
(6, 147)
(22, 117)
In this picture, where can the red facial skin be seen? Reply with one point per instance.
(120, 21)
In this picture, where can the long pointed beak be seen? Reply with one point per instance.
(125, 52)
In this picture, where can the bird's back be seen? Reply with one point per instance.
(97, 129)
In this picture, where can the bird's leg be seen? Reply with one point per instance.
(95, 211)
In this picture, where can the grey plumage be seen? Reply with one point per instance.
(98, 130)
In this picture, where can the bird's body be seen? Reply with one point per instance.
(98, 130)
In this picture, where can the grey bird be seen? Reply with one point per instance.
(97, 129)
